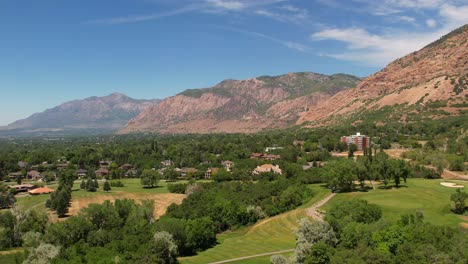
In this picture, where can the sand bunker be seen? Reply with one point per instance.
(451, 185)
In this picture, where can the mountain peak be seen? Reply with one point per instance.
(98, 114)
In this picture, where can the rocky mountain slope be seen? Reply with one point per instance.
(240, 106)
(430, 83)
(90, 115)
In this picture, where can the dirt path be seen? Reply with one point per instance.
(312, 211)
(253, 256)
(453, 175)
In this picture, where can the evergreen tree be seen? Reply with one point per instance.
(83, 185)
(106, 186)
(90, 186)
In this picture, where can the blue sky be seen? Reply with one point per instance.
(52, 51)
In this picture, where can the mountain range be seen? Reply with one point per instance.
(87, 116)
(430, 83)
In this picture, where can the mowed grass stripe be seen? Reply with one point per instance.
(273, 234)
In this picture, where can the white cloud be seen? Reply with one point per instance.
(228, 5)
(379, 49)
(407, 19)
(419, 4)
(431, 22)
(286, 13)
(455, 14)
(376, 50)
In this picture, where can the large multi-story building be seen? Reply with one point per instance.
(361, 141)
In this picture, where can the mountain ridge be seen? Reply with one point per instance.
(249, 105)
(89, 115)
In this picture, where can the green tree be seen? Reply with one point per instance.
(149, 178)
(311, 233)
(62, 202)
(83, 185)
(19, 179)
(48, 176)
(351, 149)
(90, 186)
(106, 186)
(164, 247)
(320, 253)
(459, 198)
(170, 174)
(341, 174)
(200, 233)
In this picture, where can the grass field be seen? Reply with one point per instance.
(272, 234)
(424, 195)
(82, 198)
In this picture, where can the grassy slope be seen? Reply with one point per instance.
(420, 194)
(273, 234)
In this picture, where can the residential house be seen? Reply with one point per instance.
(185, 172)
(104, 164)
(267, 168)
(101, 172)
(167, 163)
(33, 175)
(15, 175)
(265, 156)
(298, 143)
(81, 173)
(62, 166)
(271, 157)
(23, 165)
(209, 173)
(126, 167)
(21, 187)
(256, 155)
(131, 173)
(43, 190)
(227, 164)
(268, 149)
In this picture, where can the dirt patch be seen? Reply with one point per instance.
(451, 185)
(161, 201)
(464, 225)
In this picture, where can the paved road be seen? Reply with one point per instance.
(311, 211)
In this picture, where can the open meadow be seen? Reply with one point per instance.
(132, 190)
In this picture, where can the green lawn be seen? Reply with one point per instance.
(131, 186)
(272, 234)
(419, 194)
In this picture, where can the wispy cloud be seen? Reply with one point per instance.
(228, 5)
(141, 18)
(286, 14)
(195, 6)
(288, 44)
(378, 49)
